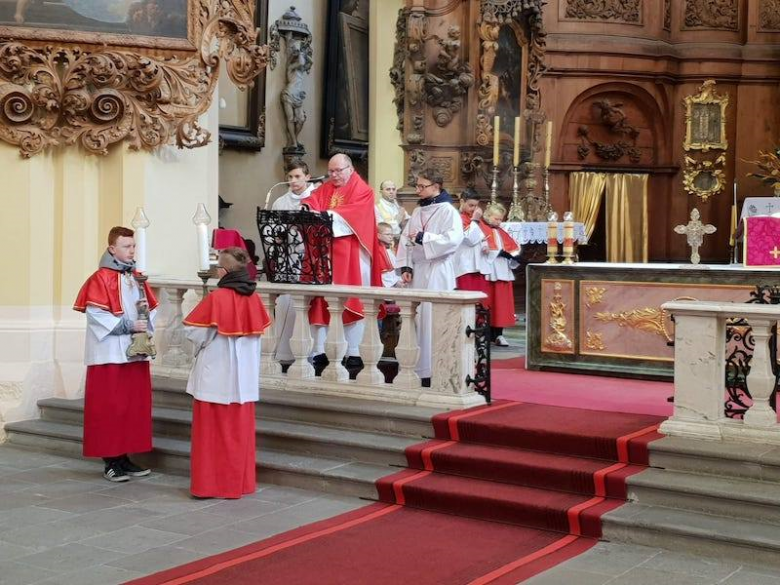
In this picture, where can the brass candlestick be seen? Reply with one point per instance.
(546, 188)
(516, 212)
(494, 185)
(552, 238)
(142, 344)
(568, 238)
(204, 275)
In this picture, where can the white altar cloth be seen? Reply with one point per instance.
(535, 232)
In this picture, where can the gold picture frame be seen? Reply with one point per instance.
(704, 178)
(705, 119)
(61, 86)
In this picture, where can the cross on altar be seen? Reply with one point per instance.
(775, 252)
(695, 231)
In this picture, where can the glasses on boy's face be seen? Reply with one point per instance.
(421, 187)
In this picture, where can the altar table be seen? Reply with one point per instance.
(607, 318)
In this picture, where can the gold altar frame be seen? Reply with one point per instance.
(654, 325)
(694, 169)
(698, 108)
(62, 91)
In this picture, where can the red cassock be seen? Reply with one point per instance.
(501, 296)
(117, 397)
(473, 281)
(355, 203)
(223, 443)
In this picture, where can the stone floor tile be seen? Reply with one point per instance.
(19, 458)
(157, 559)
(9, 484)
(561, 576)
(42, 536)
(113, 518)
(138, 490)
(57, 489)
(608, 558)
(13, 573)
(70, 557)
(30, 516)
(10, 551)
(169, 505)
(180, 481)
(97, 575)
(189, 523)
(643, 576)
(217, 541)
(134, 539)
(51, 474)
(746, 576)
(285, 495)
(85, 502)
(672, 562)
(19, 500)
(245, 509)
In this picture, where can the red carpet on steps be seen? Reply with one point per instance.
(503, 492)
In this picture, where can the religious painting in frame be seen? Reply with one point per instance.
(155, 24)
(242, 121)
(705, 119)
(345, 115)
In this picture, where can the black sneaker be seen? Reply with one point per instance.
(132, 469)
(115, 473)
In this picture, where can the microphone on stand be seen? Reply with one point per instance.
(319, 179)
(268, 195)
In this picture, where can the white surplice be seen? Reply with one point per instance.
(469, 257)
(226, 368)
(390, 212)
(292, 201)
(101, 346)
(432, 263)
(492, 266)
(391, 277)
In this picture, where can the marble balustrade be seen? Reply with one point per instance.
(453, 350)
(699, 373)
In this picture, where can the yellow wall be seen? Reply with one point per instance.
(385, 156)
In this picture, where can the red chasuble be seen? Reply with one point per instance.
(233, 314)
(355, 203)
(103, 290)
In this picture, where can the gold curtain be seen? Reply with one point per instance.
(586, 190)
(626, 218)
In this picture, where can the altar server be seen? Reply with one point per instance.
(468, 257)
(225, 330)
(500, 256)
(426, 254)
(118, 391)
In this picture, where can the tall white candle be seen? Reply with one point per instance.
(140, 249)
(203, 246)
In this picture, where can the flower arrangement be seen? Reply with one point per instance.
(769, 165)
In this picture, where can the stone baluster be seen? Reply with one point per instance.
(301, 341)
(407, 352)
(175, 354)
(335, 343)
(371, 347)
(761, 380)
(268, 365)
(699, 356)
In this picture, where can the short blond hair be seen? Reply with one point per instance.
(233, 259)
(495, 209)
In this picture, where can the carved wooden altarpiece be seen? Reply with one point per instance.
(62, 86)
(459, 63)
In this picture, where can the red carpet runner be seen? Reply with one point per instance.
(502, 493)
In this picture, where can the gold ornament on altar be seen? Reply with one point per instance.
(557, 340)
(695, 231)
(704, 178)
(705, 119)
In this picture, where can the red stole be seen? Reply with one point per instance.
(233, 314)
(355, 203)
(507, 243)
(103, 290)
(466, 220)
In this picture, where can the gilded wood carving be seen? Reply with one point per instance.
(705, 119)
(614, 119)
(720, 14)
(614, 10)
(63, 94)
(704, 178)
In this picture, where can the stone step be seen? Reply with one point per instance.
(737, 460)
(172, 454)
(275, 435)
(742, 499)
(374, 416)
(695, 534)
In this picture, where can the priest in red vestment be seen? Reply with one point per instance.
(118, 390)
(358, 258)
(225, 330)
